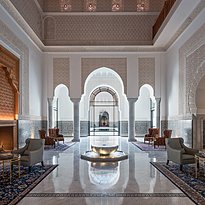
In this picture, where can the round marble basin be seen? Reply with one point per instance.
(104, 150)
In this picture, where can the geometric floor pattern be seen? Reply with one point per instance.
(106, 195)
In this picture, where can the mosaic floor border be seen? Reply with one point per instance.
(106, 195)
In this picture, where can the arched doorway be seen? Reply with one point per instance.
(106, 78)
(145, 110)
(61, 111)
(104, 111)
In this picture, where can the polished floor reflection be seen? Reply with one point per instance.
(131, 181)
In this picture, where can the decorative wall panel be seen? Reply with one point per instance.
(101, 30)
(61, 72)
(119, 65)
(141, 128)
(192, 69)
(66, 128)
(146, 71)
(49, 28)
(9, 38)
(7, 101)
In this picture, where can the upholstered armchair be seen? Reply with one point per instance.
(54, 133)
(151, 136)
(161, 140)
(31, 153)
(178, 153)
(48, 140)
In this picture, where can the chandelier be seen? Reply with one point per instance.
(140, 5)
(90, 5)
(117, 5)
(65, 5)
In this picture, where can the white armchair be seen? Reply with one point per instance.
(178, 153)
(32, 152)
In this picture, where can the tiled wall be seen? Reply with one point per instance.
(66, 128)
(124, 128)
(141, 127)
(29, 128)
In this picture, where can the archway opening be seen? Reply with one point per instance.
(104, 111)
(108, 79)
(62, 111)
(145, 110)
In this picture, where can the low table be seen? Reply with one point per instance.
(199, 159)
(11, 158)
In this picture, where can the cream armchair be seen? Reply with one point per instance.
(32, 152)
(178, 153)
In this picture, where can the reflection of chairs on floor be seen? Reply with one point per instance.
(31, 153)
(178, 153)
(48, 140)
(151, 136)
(161, 140)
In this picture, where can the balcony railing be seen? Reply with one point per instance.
(163, 14)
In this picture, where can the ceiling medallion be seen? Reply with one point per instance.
(90, 5)
(65, 5)
(117, 5)
(140, 5)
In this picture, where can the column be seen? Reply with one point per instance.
(131, 122)
(158, 100)
(50, 112)
(76, 123)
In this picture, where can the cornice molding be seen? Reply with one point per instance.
(10, 8)
(186, 23)
(100, 13)
(90, 49)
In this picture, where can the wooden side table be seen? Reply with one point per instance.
(199, 159)
(11, 159)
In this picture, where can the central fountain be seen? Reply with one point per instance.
(104, 153)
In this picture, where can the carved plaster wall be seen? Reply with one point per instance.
(101, 30)
(9, 38)
(146, 72)
(119, 65)
(61, 72)
(192, 69)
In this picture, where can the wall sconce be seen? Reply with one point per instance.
(117, 5)
(90, 5)
(140, 5)
(65, 5)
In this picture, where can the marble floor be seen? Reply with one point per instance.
(131, 181)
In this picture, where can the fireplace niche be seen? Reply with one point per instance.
(9, 94)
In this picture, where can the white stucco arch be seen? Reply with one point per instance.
(103, 77)
(65, 105)
(142, 105)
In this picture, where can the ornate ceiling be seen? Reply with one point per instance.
(76, 26)
(101, 5)
(77, 29)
